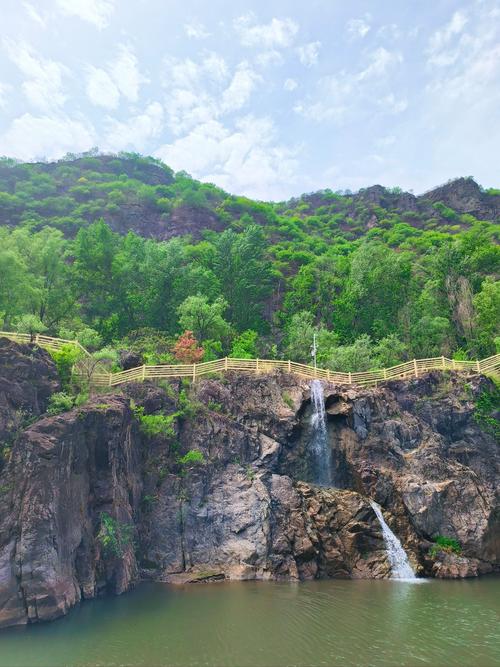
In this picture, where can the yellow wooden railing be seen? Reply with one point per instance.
(407, 369)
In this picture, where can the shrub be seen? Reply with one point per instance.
(65, 359)
(114, 535)
(215, 407)
(30, 324)
(88, 337)
(487, 404)
(60, 402)
(189, 408)
(446, 544)
(186, 349)
(244, 345)
(193, 457)
(155, 425)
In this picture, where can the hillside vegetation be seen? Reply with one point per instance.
(120, 251)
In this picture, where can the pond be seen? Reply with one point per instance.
(272, 624)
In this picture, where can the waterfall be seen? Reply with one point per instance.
(400, 565)
(319, 444)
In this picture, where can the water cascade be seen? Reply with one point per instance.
(400, 565)
(321, 450)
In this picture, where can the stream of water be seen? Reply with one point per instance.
(333, 623)
(319, 443)
(400, 565)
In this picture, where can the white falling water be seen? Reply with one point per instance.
(321, 450)
(400, 565)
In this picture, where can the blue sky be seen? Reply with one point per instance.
(268, 99)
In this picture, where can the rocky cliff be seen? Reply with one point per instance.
(94, 499)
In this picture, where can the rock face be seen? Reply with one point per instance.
(465, 196)
(94, 499)
(27, 379)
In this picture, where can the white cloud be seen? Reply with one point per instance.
(30, 137)
(97, 12)
(3, 91)
(278, 33)
(197, 92)
(380, 61)
(309, 53)
(122, 76)
(359, 27)
(290, 84)
(461, 100)
(101, 89)
(244, 81)
(215, 66)
(392, 104)
(43, 86)
(386, 141)
(245, 160)
(336, 93)
(196, 30)
(125, 72)
(35, 15)
(350, 95)
(439, 52)
(392, 31)
(190, 75)
(136, 131)
(271, 57)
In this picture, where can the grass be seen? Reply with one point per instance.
(446, 545)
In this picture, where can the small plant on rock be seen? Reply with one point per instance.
(445, 544)
(193, 457)
(154, 425)
(60, 402)
(113, 535)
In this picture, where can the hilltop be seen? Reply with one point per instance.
(133, 193)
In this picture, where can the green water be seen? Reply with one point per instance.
(449, 623)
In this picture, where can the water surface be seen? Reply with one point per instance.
(348, 623)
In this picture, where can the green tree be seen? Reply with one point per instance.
(299, 334)
(244, 346)
(204, 319)
(487, 317)
(244, 275)
(353, 358)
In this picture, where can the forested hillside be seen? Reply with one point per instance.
(120, 251)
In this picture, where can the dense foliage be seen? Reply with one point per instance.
(377, 276)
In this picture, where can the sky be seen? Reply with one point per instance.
(267, 99)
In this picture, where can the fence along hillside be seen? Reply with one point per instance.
(102, 378)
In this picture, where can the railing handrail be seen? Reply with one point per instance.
(159, 371)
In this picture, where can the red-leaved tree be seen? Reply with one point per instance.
(186, 350)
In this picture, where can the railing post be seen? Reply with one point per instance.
(110, 379)
(328, 374)
(415, 367)
(194, 372)
(385, 373)
(37, 338)
(289, 366)
(144, 372)
(442, 361)
(478, 366)
(225, 363)
(350, 377)
(453, 364)
(257, 366)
